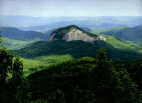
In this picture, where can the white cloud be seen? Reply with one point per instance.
(71, 7)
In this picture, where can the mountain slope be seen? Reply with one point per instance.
(16, 34)
(14, 44)
(43, 62)
(78, 45)
(73, 32)
(120, 44)
(133, 34)
(75, 49)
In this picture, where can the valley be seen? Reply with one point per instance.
(71, 60)
(41, 52)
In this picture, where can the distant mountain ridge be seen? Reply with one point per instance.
(76, 42)
(17, 34)
(88, 22)
(91, 24)
(133, 34)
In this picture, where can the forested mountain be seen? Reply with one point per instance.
(14, 44)
(71, 33)
(73, 40)
(88, 80)
(74, 81)
(16, 34)
(133, 34)
(76, 49)
(70, 59)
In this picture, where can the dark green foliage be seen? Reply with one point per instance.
(10, 76)
(110, 85)
(84, 80)
(5, 64)
(76, 49)
(66, 81)
(135, 70)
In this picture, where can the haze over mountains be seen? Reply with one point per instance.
(72, 35)
(43, 49)
(17, 34)
(133, 34)
(70, 51)
(78, 43)
(48, 23)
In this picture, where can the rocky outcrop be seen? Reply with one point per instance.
(73, 32)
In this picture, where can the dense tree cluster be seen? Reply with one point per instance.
(84, 80)
(10, 76)
(76, 49)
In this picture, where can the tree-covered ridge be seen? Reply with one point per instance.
(32, 65)
(13, 44)
(17, 34)
(133, 34)
(72, 40)
(85, 80)
(76, 49)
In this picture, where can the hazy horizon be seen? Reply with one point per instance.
(69, 16)
(70, 8)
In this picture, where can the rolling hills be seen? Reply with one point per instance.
(11, 44)
(69, 42)
(17, 34)
(133, 34)
(43, 62)
(78, 48)
(98, 22)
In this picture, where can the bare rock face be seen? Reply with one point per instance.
(72, 32)
(101, 38)
(76, 34)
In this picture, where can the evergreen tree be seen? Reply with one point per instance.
(11, 70)
(111, 85)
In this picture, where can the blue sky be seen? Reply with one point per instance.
(71, 7)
